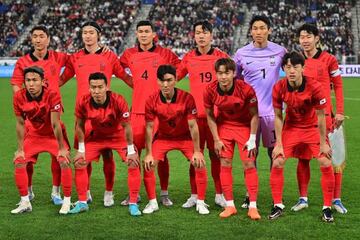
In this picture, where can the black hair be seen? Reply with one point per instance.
(34, 69)
(294, 57)
(227, 62)
(98, 76)
(262, 18)
(206, 25)
(40, 28)
(145, 23)
(165, 69)
(92, 24)
(309, 28)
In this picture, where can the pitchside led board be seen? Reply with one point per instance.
(7, 68)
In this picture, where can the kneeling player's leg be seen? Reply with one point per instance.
(303, 176)
(109, 169)
(134, 182)
(150, 187)
(163, 172)
(327, 180)
(215, 171)
(56, 174)
(277, 180)
(66, 182)
(81, 183)
(30, 172)
(21, 180)
(227, 187)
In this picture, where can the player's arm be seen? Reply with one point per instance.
(132, 156)
(278, 124)
(80, 133)
(17, 78)
(198, 157)
(181, 70)
(324, 147)
(149, 160)
(254, 123)
(339, 96)
(68, 73)
(20, 129)
(218, 144)
(56, 125)
(119, 72)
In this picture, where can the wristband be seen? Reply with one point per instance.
(252, 137)
(131, 149)
(81, 148)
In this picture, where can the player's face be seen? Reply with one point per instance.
(293, 72)
(40, 40)
(225, 78)
(167, 85)
(308, 41)
(260, 32)
(202, 36)
(89, 35)
(33, 83)
(98, 90)
(145, 35)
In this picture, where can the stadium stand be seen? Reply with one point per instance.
(64, 19)
(333, 18)
(14, 17)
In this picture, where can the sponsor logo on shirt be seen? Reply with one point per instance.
(57, 106)
(322, 101)
(252, 100)
(126, 115)
(248, 63)
(194, 111)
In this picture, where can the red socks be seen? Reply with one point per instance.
(89, 171)
(303, 176)
(163, 172)
(56, 171)
(227, 182)
(201, 182)
(192, 179)
(150, 184)
(81, 182)
(215, 173)
(327, 184)
(277, 184)
(21, 180)
(338, 184)
(109, 172)
(134, 182)
(252, 183)
(30, 171)
(66, 180)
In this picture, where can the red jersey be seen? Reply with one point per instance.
(173, 117)
(143, 66)
(325, 69)
(51, 64)
(37, 111)
(201, 69)
(300, 104)
(105, 119)
(84, 63)
(233, 106)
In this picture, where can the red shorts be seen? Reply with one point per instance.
(95, 146)
(160, 147)
(33, 145)
(205, 134)
(301, 143)
(230, 135)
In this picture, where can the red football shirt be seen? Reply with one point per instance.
(173, 117)
(201, 70)
(51, 64)
(143, 66)
(37, 111)
(84, 63)
(105, 119)
(300, 104)
(233, 106)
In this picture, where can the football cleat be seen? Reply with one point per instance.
(24, 206)
(190, 202)
(89, 197)
(202, 208)
(327, 215)
(125, 202)
(165, 200)
(301, 204)
(65, 208)
(31, 195)
(79, 207)
(220, 201)
(134, 210)
(229, 211)
(151, 207)
(108, 199)
(275, 213)
(339, 207)
(56, 199)
(246, 203)
(254, 214)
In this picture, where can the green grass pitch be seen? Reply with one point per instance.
(175, 222)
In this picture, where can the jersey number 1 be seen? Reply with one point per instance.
(263, 72)
(206, 77)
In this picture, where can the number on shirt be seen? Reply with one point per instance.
(263, 72)
(145, 75)
(206, 77)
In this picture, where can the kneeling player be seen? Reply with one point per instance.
(176, 113)
(236, 123)
(303, 135)
(108, 113)
(43, 133)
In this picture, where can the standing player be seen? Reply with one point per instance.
(259, 64)
(108, 113)
(236, 123)
(90, 59)
(303, 135)
(41, 107)
(323, 67)
(51, 62)
(143, 61)
(199, 64)
(176, 113)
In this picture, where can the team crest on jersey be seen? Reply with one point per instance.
(322, 101)
(272, 61)
(155, 63)
(102, 66)
(126, 115)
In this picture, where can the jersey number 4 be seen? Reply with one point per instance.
(145, 75)
(206, 77)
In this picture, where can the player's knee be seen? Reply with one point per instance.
(80, 163)
(20, 163)
(248, 164)
(226, 162)
(278, 162)
(324, 161)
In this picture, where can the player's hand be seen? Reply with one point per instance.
(105, 48)
(19, 154)
(250, 145)
(64, 153)
(278, 151)
(133, 159)
(219, 146)
(339, 118)
(325, 150)
(148, 162)
(198, 160)
(79, 160)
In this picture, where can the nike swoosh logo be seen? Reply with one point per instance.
(247, 63)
